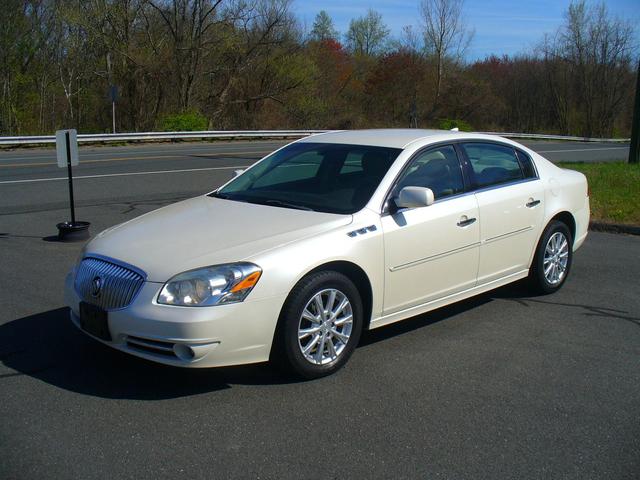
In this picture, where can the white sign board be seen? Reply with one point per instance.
(61, 147)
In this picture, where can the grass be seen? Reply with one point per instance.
(615, 191)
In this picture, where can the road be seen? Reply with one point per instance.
(504, 385)
(30, 179)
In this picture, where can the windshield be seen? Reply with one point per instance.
(324, 177)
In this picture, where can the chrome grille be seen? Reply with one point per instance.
(106, 284)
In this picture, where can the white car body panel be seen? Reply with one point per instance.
(434, 258)
(160, 234)
(509, 229)
(414, 261)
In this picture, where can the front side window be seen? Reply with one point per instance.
(325, 177)
(437, 169)
(493, 164)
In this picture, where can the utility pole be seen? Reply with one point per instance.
(634, 148)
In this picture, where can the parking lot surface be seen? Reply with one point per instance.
(505, 385)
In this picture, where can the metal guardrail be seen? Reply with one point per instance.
(541, 136)
(152, 136)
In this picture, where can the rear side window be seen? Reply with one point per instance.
(493, 164)
(527, 164)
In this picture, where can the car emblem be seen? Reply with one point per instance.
(96, 286)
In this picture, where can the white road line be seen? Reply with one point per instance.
(146, 156)
(582, 150)
(124, 174)
(51, 155)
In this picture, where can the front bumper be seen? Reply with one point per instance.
(216, 336)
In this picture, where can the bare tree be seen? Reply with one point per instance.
(446, 37)
(190, 24)
(587, 61)
(258, 61)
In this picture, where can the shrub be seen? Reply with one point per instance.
(449, 123)
(190, 121)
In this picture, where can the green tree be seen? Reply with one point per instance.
(367, 35)
(323, 28)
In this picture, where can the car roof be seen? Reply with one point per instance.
(384, 137)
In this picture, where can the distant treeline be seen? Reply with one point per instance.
(249, 64)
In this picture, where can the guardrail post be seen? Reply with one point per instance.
(634, 147)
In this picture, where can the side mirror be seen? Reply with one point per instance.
(414, 197)
(237, 173)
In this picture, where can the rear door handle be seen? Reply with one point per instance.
(532, 203)
(464, 221)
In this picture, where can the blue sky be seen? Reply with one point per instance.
(501, 26)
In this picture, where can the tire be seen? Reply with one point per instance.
(552, 251)
(301, 316)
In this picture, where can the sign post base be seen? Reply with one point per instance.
(73, 231)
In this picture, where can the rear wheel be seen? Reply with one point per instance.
(552, 262)
(320, 324)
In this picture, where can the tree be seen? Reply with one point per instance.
(445, 35)
(323, 28)
(247, 64)
(393, 97)
(259, 61)
(588, 64)
(123, 37)
(190, 24)
(367, 35)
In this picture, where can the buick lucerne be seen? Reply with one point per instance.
(330, 235)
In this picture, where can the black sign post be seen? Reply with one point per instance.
(67, 153)
(70, 173)
(634, 147)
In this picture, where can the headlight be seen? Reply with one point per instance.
(215, 285)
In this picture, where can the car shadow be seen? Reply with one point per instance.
(423, 320)
(48, 347)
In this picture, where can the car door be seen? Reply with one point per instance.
(431, 252)
(510, 198)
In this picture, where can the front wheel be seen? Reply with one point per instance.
(553, 258)
(320, 325)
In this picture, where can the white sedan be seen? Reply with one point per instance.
(325, 237)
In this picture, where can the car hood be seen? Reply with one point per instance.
(206, 231)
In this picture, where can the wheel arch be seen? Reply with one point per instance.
(568, 219)
(359, 278)
(353, 272)
(563, 216)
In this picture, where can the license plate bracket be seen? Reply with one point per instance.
(95, 321)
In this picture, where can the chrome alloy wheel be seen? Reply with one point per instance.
(325, 326)
(556, 257)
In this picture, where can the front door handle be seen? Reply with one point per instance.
(532, 203)
(465, 222)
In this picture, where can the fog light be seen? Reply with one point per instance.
(183, 352)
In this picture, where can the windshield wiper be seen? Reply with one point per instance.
(262, 201)
(218, 195)
(280, 203)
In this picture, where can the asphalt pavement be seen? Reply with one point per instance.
(31, 180)
(505, 385)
